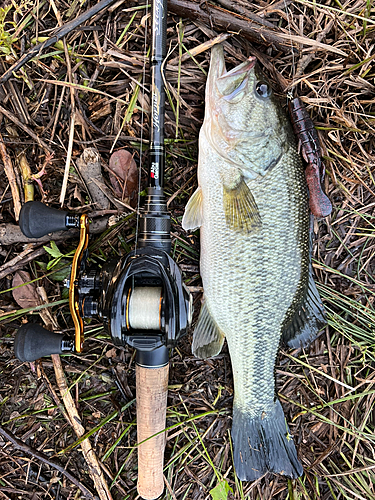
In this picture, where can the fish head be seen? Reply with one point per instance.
(244, 122)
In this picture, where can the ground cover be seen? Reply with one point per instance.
(87, 91)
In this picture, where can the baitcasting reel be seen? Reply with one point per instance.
(140, 298)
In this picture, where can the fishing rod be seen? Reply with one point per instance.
(141, 298)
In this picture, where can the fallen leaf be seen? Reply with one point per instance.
(77, 195)
(54, 480)
(124, 178)
(111, 353)
(39, 403)
(26, 295)
(101, 113)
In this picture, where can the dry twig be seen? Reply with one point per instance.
(59, 34)
(229, 21)
(42, 457)
(25, 128)
(8, 167)
(28, 255)
(95, 470)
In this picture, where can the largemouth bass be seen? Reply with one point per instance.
(252, 209)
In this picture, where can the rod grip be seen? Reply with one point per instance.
(152, 390)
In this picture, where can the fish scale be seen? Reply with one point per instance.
(252, 209)
(260, 272)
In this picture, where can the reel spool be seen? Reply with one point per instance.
(144, 308)
(146, 302)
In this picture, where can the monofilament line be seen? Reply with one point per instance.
(290, 91)
(141, 137)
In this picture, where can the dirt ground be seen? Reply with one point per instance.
(89, 90)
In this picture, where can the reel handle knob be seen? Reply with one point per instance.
(36, 219)
(32, 342)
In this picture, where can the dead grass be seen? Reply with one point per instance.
(328, 391)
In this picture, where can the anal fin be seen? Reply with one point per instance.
(240, 208)
(208, 339)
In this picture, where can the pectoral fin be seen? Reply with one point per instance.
(208, 339)
(240, 208)
(192, 218)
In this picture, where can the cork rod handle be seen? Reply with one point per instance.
(152, 389)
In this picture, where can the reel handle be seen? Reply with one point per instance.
(152, 391)
(32, 342)
(36, 219)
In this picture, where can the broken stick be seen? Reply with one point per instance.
(89, 166)
(95, 470)
(223, 19)
(8, 167)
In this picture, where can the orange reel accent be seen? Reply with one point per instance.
(73, 287)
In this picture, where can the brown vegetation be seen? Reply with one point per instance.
(87, 91)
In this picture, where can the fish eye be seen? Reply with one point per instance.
(263, 89)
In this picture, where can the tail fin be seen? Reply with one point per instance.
(263, 444)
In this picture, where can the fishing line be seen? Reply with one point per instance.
(309, 145)
(146, 16)
(290, 91)
(164, 63)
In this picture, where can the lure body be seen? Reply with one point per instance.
(308, 138)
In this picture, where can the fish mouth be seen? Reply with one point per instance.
(244, 67)
(222, 81)
(230, 83)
